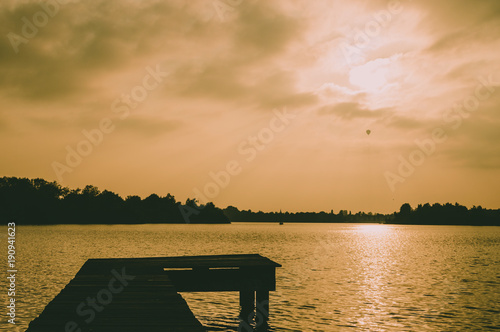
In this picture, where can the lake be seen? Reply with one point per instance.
(335, 277)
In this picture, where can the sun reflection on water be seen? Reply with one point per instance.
(375, 247)
(373, 228)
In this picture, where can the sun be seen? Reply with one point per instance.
(372, 76)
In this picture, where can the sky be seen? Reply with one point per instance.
(295, 105)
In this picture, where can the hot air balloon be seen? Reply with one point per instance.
(368, 132)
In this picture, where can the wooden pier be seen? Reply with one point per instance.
(141, 294)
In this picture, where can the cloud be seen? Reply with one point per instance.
(227, 75)
(351, 111)
(474, 143)
(83, 41)
(460, 12)
(245, 67)
(337, 92)
(262, 30)
(405, 123)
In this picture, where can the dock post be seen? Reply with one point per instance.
(247, 306)
(262, 318)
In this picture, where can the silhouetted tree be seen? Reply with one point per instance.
(36, 201)
(40, 202)
(447, 214)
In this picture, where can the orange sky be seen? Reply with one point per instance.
(264, 105)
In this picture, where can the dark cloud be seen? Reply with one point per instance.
(461, 13)
(262, 30)
(88, 39)
(216, 80)
(466, 38)
(83, 40)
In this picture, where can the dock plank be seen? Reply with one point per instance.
(147, 302)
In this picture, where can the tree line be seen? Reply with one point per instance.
(446, 214)
(236, 215)
(39, 202)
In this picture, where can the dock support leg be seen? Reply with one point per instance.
(262, 318)
(247, 309)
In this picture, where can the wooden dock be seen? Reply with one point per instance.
(141, 294)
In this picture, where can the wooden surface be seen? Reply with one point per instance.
(140, 294)
(148, 302)
(209, 261)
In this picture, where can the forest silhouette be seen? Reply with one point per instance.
(36, 201)
(40, 202)
(446, 214)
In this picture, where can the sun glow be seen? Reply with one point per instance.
(373, 229)
(371, 76)
(376, 75)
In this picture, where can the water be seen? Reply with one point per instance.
(335, 277)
